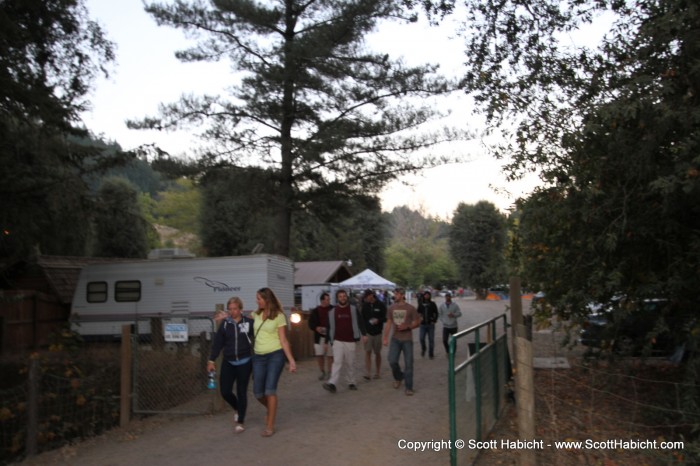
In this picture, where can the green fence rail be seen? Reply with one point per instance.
(477, 385)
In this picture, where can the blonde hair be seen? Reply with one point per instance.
(237, 300)
(272, 304)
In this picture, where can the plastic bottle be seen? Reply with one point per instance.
(211, 383)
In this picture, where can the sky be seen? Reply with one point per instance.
(146, 74)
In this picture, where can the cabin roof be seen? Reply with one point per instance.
(55, 274)
(319, 272)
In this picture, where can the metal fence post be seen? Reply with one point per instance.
(452, 399)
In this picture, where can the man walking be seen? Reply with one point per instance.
(318, 322)
(429, 315)
(345, 328)
(448, 313)
(374, 315)
(402, 318)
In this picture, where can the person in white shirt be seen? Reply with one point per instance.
(448, 312)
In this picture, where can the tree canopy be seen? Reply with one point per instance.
(477, 243)
(418, 253)
(309, 102)
(612, 128)
(50, 52)
(236, 216)
(120, 227)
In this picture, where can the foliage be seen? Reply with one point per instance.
(138, 171)
(49, 54)
(418, 253)
(325, 117)
(354, 230)
(235, 211)
(120, 227)
(477, 242)
(147, 206)
(78, 395)
(180, 205)
(632, 176)
(237, 216)
(612, 128)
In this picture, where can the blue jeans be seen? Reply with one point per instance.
(430, 331)
(395, 349)
(267, 369)
(240, 375)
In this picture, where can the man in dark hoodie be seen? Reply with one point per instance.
(235, 337)
(428, 311)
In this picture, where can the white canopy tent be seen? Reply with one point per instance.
(367, 279)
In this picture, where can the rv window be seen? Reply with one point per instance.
(127, 291)
(97, 292)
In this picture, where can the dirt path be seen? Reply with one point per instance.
(313, 426)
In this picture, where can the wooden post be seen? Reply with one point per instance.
(525, 399)
(524, 374)
(516, 305)
(157, 336)
(33, 381)
(125, 391)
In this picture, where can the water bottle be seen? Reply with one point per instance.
(211, 383)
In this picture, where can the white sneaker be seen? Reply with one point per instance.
(235, 416)
(239, 428)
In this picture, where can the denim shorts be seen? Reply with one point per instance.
(267, 369)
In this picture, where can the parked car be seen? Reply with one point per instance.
(632, 329)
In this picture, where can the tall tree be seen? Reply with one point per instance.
(614, 129)
(49, 54)
(477, 242)
(326, 116)
(120, 227)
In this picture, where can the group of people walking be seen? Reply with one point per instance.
(337, 329)
(258, 346)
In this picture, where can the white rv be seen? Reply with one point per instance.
(178, 291)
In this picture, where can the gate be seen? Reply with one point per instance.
(478, 385)
(170, 376)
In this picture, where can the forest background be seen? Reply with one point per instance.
(316, 122)
(141, 209)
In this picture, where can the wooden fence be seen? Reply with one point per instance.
(28, 318)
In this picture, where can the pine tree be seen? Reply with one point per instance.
(328, 117)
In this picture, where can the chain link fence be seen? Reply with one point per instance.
(170, 376)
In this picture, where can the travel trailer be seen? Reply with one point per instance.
(178, 291)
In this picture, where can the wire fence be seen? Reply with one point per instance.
(170, 376)
(57, 404)
(592, 411)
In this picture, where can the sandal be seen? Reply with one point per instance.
(267, 432)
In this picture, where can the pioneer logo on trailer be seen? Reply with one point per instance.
(217, 286)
